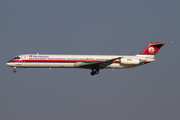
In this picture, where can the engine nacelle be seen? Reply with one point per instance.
(127, 61)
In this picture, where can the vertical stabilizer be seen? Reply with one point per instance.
(152, 48)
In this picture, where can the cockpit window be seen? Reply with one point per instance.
(17, 57)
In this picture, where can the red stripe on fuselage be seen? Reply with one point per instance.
(58, 61)
(146, 62)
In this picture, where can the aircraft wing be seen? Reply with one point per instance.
(99, 65)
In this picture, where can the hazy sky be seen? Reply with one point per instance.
(114, 27)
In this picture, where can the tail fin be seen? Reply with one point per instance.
(152, 48)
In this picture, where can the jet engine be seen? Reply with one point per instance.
(127, 61)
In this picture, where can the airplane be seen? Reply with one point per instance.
(92, 62)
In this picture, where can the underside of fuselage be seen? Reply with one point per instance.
(62, 65)
(95, 69)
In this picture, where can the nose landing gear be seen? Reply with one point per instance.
(14, 70)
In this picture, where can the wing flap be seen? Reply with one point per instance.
(99, 65)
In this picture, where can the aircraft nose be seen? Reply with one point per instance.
(9, 64)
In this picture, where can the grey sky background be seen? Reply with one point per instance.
(113, 27)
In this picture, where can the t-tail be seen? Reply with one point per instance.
(151, 50)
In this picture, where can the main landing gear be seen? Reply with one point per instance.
(14, 70)
(94, 71)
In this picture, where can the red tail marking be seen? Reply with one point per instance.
(152, 48)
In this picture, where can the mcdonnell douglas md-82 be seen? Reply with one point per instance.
(92, 62)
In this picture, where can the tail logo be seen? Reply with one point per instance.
(151, 50)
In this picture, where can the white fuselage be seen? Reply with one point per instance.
(93, 62)
(70, 61)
